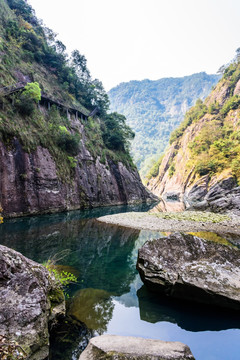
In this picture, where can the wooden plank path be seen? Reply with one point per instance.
(46, 100)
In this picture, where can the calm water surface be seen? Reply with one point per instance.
(109, 296)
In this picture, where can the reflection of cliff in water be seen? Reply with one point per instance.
(168, 206)
(99, 252)
(189, 316)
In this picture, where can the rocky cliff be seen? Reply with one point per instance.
(59, 147)
(201, 165)
(30, 182)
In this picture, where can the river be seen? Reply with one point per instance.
(109, 296)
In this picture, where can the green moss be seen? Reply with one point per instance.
(197, 216)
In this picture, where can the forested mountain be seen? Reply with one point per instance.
(154, 108)
(202, 163)
(59, 147)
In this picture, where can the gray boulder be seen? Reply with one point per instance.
(187, 267)
(29, 299)
(112, 347)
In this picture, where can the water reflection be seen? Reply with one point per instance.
(94, 307)
(168, 206)
(189, 316)
(109, 296)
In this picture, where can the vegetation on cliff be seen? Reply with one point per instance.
(154, 109)
(31, 54)
(212, 132)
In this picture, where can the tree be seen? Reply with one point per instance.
(79, 63)
(116, 133)
(32, 91)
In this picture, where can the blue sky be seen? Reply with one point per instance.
(137, 39)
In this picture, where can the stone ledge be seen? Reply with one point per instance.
(113, 347)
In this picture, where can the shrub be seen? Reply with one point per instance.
(25, 106)
(171, 170)
(69, 142)
(232, 103)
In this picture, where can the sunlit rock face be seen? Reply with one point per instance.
(29, 299)
(110, 347)
(188, 267)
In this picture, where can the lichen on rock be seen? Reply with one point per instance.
(188, 267)
(25, 303)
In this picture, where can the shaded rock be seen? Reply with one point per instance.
(188, 267)
(29, 299)
(68, 339)
(30, 182)
(111, 347)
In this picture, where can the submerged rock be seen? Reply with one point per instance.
(188, 267)
(29, 300)
(68, 338)
(111, 347)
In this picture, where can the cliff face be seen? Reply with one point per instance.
(30, 184)
(59, 147)
(201, 166)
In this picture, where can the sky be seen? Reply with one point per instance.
(127, 40)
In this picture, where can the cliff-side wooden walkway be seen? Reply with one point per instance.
(47, 101)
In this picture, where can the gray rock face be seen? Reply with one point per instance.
(187, 267)
(30, 183)
(220, 197)
(111, 347)
(29, 299)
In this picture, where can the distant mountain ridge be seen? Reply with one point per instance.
(154, 108)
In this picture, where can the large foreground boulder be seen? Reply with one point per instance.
(29, 299)
(185, 266)
(112, 347)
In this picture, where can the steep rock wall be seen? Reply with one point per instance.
(218, 191)
(30, 183)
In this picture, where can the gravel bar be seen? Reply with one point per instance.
(171, 222)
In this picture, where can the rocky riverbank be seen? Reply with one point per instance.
(185, 221)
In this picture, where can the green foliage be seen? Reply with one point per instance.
(32, 91)
(213, 108)
(41, 44)
(153, 172)
(25, 101)
(232, 103)
(116, 133)
(64, 278)
(171, 170)
(25, 106)
(69, 142)
(153, 109)
(72, 161)
(194, 114)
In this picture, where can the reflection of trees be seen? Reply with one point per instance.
(99, 252)
(155, 308)
(94, 307)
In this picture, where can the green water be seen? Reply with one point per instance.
(109, 296)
